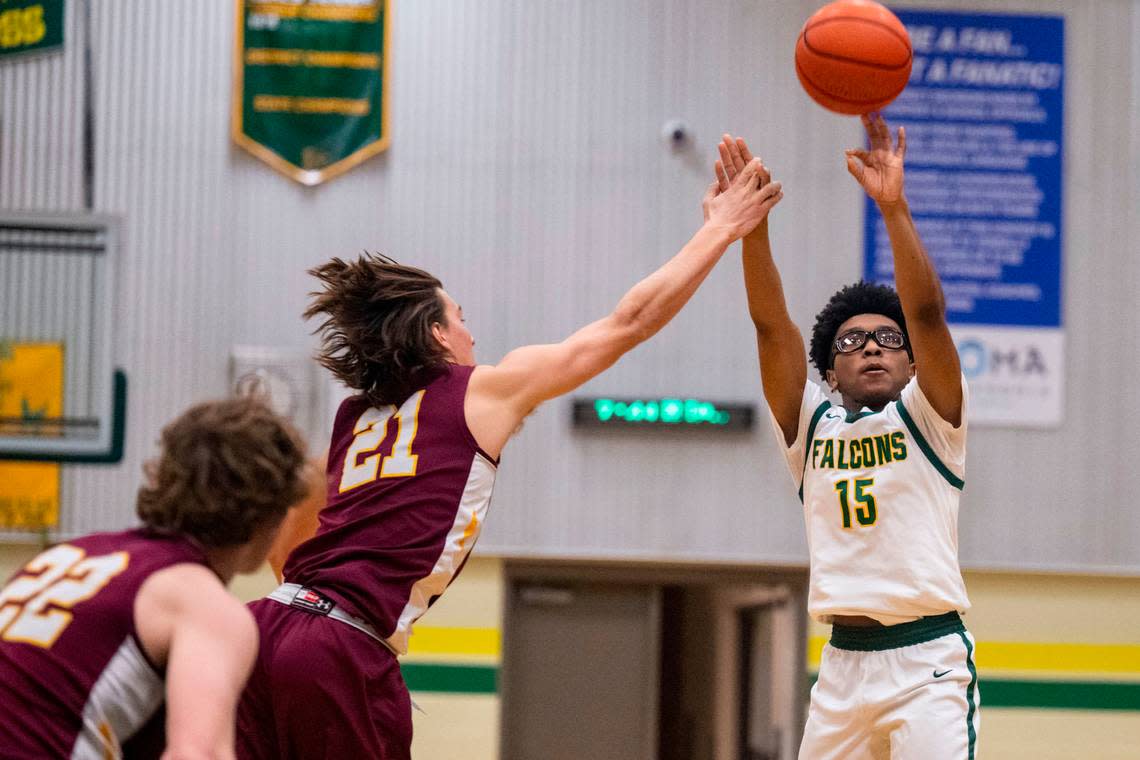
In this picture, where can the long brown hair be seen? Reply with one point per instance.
(226, 468)
(376, 334)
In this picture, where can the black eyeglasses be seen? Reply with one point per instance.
(887, 337)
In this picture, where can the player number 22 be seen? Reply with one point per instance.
(858, 490)
(370, 431)
(34, 606)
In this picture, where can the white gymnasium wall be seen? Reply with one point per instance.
(527, 170)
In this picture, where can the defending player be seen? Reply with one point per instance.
(879, 478)
(95, 632)
(411, 466)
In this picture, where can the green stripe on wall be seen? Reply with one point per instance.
(996, 692)
(453, 679)
(1054, 695)
(1061, 695)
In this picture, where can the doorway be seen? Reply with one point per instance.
(636, 662)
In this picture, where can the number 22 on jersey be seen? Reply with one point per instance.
(34, 607)
(370, 431)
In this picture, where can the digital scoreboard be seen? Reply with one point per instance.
(661, 413)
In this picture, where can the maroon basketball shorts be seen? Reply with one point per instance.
(321, 688)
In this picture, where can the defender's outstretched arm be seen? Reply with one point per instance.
(500, 396)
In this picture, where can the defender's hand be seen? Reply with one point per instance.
(745, 203)
(711, 192)
(734, 156)
(879, 170)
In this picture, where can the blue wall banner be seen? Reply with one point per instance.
(983, 113)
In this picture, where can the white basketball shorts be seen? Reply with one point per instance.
(900, 692)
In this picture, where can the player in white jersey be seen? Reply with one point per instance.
(879, 476)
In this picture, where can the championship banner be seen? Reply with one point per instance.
(983, 112)
(310, 91)
(31, 391)
(30, 26)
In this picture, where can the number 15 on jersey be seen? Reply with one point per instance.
(859, 491)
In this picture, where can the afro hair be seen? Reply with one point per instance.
(852, 300)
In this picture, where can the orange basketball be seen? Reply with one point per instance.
(853, 56)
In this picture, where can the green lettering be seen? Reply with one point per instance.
(842, 462)
(865, 513)
(841, 488)
(883, 448)
(898, 444)
(815, 452)
(828, 458)
(868, 446)
(854, 452)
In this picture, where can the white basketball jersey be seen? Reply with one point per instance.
(880, 493)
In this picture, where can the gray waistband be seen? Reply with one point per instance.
(286, 592)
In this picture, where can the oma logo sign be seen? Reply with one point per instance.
(979, 358)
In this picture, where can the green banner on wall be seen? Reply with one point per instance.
(310, 90)
(30, 26)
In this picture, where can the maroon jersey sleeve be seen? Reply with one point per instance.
(408, 489)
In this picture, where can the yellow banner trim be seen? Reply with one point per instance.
(289, 104)
(313, 58)
(365, 14)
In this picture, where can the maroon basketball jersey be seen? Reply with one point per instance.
(74, 681)
(408, 489)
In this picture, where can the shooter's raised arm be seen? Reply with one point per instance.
(880, 172)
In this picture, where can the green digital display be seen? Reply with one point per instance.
(663, 413)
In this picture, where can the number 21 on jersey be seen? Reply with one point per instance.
(370, 432)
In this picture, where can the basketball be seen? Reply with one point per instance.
(853, 56)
